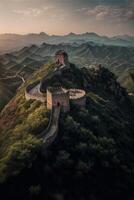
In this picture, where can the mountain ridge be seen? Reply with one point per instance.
(29, 59)
(10, 42)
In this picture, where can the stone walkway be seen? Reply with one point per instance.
(50, 133)
(52, 130)
(35, 94)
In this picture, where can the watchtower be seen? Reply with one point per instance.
(61, 58)
(57, 96)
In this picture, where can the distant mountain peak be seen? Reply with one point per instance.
(71, 34)
(91, 34)
(43, 34)
(33, 46)
(84, 34)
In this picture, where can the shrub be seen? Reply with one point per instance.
(35, 190)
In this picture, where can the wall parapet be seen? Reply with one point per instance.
(50, 133)
(32, 91)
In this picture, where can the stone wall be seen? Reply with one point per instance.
(63, 97)
(36, 95)
(62, 100)
(49, 100)
(61, 58)
(58, 98)
(50, 133)
(78, 97)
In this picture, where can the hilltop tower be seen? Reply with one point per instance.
(61, 58)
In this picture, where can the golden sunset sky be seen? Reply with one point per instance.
(105, 17)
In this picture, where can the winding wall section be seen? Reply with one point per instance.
(33, 92)
(50, 133)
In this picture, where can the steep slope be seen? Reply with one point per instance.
(15, 130)
(126, 79)
(2, 70)
(15, 68)
(94, 148)
(8, 89)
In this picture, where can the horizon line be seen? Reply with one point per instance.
(65, 34)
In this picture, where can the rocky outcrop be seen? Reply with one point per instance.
(102, 79)
(63, 77)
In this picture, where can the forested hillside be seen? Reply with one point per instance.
(92, 156)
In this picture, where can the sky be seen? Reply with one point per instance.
(105, 17)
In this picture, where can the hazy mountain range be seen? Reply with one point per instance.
(17, 66)
(11, 42)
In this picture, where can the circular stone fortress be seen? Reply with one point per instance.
(62, 97)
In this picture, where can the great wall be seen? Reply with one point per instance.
(58, 99)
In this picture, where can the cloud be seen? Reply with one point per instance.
(19, 0)
(120, 14)
(45, 8)
(34, 12)
(29, 12)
